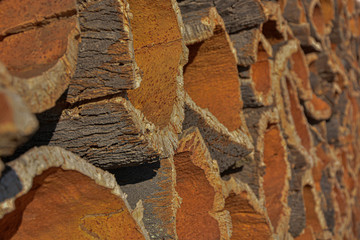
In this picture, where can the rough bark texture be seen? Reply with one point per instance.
(219, 119)
(106, 61)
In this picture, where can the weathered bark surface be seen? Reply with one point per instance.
(227, 148)
(36, 212)
(106, 61)
(237, 15)
(152, 185)
(17, 123)
(39, 49)
(121, 136)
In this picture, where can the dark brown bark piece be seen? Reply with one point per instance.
(228, 148)
(301, 75)
(237, 15)
(106, 63)
(152, 185)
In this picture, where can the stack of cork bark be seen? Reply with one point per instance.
(195, 119)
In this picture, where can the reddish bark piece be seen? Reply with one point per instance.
(213, 93)
(341, 210)
(41, 59)
(198, 183)
(347, 172)
(313, 225)
(301, 75)
(211, 76)
(298, 116)
(257, 121)
(327, 7)
(249, 221)
(17, 123)
(160, 95)
(96, 209)
(276, 178)
(261, 78)
(255, 51)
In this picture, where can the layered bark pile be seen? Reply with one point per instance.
(195, 119)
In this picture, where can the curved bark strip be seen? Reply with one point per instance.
(227, 148)
(260, 73)
(320, 24)
(249, 220)
(314, 229)
(106, 63)
(257, 121)
(17, 123)
(298, 157)
(39, 49)
(317, 109)
(52, 203)
(271, 155)
(201, 212)
(301, 74)
(296, 110)
(276, 178)
(152, 186)
(211, 76)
